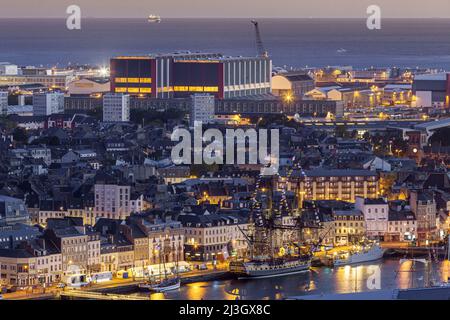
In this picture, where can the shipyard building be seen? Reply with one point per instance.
(180, 75)
(432, 90)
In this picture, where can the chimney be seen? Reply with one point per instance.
(11, 242)
(40, 242)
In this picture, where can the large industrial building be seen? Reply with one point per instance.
(275, 105)
(432, 90)
(180, 75)
(296, 83)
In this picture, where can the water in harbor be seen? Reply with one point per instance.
(291, 42)
(345, 279)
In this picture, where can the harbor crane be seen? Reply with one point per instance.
(259, 44)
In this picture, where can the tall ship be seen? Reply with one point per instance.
(275, 247)
(154, 18)
(166, 283)
(269, 268)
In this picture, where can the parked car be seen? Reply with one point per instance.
(11, 289)
(202, 267)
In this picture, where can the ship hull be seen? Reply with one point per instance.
(374, 254)
(252, 270)
(161, 287)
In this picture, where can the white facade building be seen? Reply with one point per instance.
(202, 108)
(3, 103)
(8, 69)
(115, 201)
(45, 104)
(402, 227)
(376, 215)
(43, 153)
(116, 107)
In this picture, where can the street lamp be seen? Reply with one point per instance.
(288, 97)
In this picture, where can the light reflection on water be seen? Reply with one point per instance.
(344, 279)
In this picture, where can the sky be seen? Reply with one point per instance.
(225, 8)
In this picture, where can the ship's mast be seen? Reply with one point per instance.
(267, 233)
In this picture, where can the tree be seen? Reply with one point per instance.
(20, 135)
(366, 136)
(7, 124)
(199, 170)
(340, 131)
(97, 113)
(441, 137)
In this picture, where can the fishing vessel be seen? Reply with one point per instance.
(368, 253)
(154, 18)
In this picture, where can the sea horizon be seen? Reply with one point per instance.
(291, 42)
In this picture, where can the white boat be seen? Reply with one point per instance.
(154, 18)
(366, 254)
(163, 286)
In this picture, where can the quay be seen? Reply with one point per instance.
(82, 294)
(431, 293)
(123, 286)
(116, 289)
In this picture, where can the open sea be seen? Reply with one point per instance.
(290, 42)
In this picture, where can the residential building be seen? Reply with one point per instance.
(117, 252)
(423, 205)
(116, 201)
(202, 109)
(12, 211)
(94, 251)
(70, 237)
(116, 107)
(3, 103)
(330, 184)
(12, 235)
(31, 263)
(40, 152)
(45, 104)
(402, 224)
(376, 214)
(165, 236)
(213, 236)
(349, 226)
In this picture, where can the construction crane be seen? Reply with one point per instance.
(259, 44)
